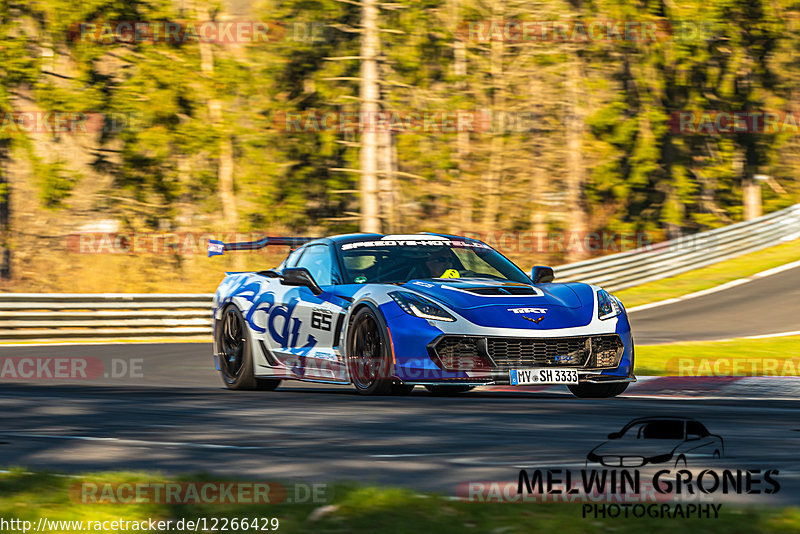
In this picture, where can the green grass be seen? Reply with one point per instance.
(778, 356)
(371, 510)
(711, 276)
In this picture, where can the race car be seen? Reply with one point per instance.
(386, 313)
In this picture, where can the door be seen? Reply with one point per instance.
(301, 328)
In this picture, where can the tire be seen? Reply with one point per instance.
(443, 391)
(236, 354)
(598, 391)
(368, 360)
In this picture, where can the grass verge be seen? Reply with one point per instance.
(778, 356)
(711, 276)
(366, 510)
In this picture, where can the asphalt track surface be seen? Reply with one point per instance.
(175, 416)
(322, 434)
(762, 306)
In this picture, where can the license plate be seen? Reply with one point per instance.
(535, 377)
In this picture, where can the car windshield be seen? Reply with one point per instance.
(666, 429)
(398, 261)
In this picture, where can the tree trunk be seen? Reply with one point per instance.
(226, 191)
(751, 193)
(537, 184)
(492, 206)
(225, 187)
(576, 214)
(370, 45)
(465, 197)
(386, 168)
(5, 222)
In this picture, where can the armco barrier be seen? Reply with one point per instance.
(53, 316)
(662, 260)
(58, 316)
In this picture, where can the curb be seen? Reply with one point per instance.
(691, 387)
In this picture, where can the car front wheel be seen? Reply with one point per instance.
(368, 359)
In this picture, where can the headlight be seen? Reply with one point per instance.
(607, 306)
(420, 306)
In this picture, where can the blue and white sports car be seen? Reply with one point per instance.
(388, 312)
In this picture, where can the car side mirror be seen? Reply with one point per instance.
(299, 276)
(614, 435)
(542, 274)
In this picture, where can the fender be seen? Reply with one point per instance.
(375, 308)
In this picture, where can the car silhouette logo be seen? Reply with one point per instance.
(658, 440)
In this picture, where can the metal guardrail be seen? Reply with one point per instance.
(61, 316)
(670, 258)
(54, 316)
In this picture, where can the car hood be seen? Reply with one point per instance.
(496, 303)
(637, 447)
(475, 293)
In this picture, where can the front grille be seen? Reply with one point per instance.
(461, 354)
(606, 351)
(514, 352)
(589, 352)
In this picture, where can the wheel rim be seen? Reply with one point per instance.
(232, 345)
(367, 353)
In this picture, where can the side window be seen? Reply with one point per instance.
(292, 259)
(317, 259)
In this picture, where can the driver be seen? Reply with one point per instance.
(438, 262)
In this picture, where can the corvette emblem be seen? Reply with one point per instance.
(537, 320)
(519, 311)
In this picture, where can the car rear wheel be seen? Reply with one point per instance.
(598, 391)
(448, 390)
(368, 355)
(236, 356)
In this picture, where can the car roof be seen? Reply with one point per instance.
(350, 238)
